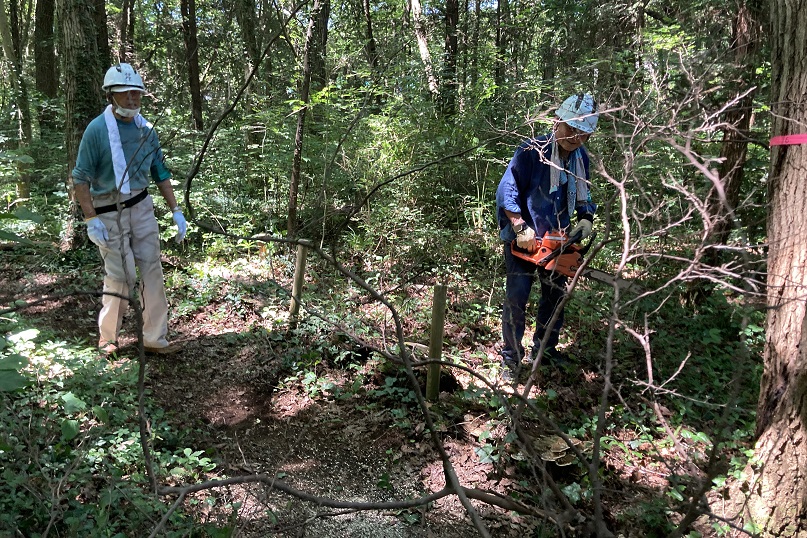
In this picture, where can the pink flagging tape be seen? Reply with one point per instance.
(789, 140)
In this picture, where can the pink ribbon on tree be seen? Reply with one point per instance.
(789, 140)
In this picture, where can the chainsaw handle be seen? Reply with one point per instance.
(560, 249)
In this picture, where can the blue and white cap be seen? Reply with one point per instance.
(579, 111)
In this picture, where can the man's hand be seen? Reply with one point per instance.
(584, 227)
(182, 225)
(526, 239)
(97, 232)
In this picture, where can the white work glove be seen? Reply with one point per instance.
(97, 232)
(584, 226)
(526, 239)
(182, 225)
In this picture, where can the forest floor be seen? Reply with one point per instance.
(230, 387)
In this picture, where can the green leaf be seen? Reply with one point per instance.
(101, 413)
(73, 403)
(69, 429)
(8, 236)
(487, 454)
(11, 380)
(24, 214)
(13, 362)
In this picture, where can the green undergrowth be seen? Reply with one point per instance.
(70, 451)
(70, 441)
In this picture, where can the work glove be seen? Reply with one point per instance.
(526, 239)
(584, 226)
(97, 232)
(182, 225)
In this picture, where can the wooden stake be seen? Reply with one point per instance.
(297, 287)
(436, 342)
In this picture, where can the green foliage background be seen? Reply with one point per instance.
(403, 194)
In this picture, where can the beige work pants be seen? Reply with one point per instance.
(134, 243)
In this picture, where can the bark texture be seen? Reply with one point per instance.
(189, 37)
(778, 492)
(84, 66)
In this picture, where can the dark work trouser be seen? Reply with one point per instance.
(520, 276)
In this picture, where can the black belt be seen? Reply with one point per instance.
(134, 200)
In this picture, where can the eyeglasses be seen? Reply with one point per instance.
(574, 132)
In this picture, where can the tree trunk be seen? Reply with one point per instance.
(319, 75)
(84, 67)
(305, 90)
(778, 502)
(245, 16)
(747, 34)
(99, 22)
(370, 45)
(13, 53)
(126, 31)
(501, 53)
(46, 74)
(423, 47)
(371, 51)
(188, 9)
(449, 87)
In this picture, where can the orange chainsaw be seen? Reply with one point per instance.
(555, 252)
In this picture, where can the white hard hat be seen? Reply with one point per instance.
(579, 111)
(122, 78)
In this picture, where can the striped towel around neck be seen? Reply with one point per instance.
(576, 184)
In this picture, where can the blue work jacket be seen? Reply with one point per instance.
(525, 185)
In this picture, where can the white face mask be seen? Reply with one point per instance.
(126, 112)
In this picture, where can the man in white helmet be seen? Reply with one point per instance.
(544, 187)
(118, 157)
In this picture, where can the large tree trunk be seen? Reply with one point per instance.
(188, 9)
(84, 67)
(778, 501)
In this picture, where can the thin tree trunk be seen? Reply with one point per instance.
(319, 76)
(423, 48)
(305, 90)
(188, 9)
(449, 87)
(747, 34)
(126, 31)
(778, 502)
(98, 19)
(46, 73)
(475, 43)
(371, 49)
(501, 53)
(19, 87)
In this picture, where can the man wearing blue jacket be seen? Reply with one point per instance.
(119, 156)
(546, 182)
